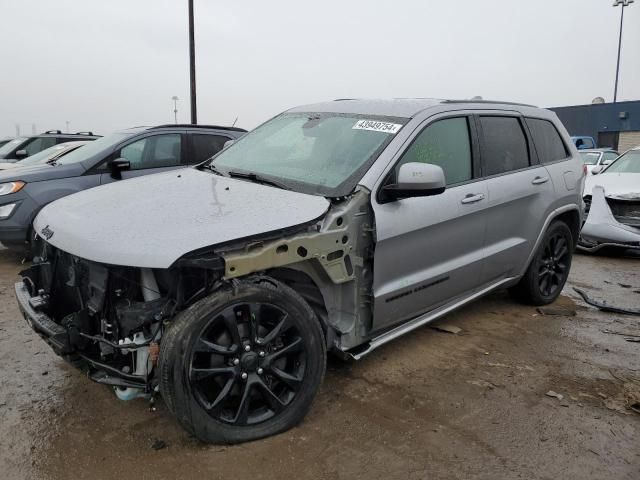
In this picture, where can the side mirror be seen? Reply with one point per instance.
(597, 170)
(118, 166)
(416, 180)
(21, 154)
(228, 143)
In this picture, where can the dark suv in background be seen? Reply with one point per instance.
(124, 154)
(23, 147)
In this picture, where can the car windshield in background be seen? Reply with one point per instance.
(92, 148)
(43, 156)
(589, 158)
(627, 163)
(313, 153)
(7, 147)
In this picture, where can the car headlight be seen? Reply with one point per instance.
(6, 210)
(11, 187)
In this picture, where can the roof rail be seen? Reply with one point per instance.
(490, 101)
(83, 133)
(190, 125)
(52, 131)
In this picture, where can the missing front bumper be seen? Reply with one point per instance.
(601, 229)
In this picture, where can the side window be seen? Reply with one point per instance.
(589, 143)
(609, 156)
(38, 144)
(445, 143)
(547, 140)
(153, 152)
(206, 146)
(504, 145)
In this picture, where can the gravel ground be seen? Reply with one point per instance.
(429, 405)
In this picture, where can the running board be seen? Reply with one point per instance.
(359, 352)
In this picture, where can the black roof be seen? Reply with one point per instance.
(189, 125)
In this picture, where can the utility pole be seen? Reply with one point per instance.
(175, 108)
(192, 66)
(617, 3)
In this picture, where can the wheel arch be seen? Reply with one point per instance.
(569, 214)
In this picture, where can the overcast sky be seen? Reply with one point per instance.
(104, 65)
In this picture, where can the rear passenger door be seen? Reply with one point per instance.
(520, 194)
(429, 250)
(205, 146)
(147, 155)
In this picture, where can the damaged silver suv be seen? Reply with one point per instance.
(334, 227)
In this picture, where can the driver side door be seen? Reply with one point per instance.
(429, 250)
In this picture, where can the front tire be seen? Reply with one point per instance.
(549, 269)
(244, 363)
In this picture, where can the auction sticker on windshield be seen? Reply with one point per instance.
(375, 126)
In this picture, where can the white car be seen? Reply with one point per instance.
(612, 201)
(48, 155)
(597, 158)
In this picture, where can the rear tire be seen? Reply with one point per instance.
(244, 363)
(549, 268)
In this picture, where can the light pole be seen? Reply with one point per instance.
(192, 65)
(617, 3)
(175, 108)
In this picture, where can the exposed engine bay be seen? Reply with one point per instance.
(109, 320)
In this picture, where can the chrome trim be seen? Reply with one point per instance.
(422, 320)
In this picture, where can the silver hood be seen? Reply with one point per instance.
(154, 220)
(623, 185)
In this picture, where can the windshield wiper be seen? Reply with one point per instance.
(211, 168)
(258, 179)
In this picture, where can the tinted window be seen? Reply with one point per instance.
(206, 146)
(504, 145)
(444, 143)
(38, 144)
(153, 152)
(547, 140)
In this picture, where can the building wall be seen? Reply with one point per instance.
(603, 121)
(628, 140)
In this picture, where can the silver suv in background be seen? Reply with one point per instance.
(332, 227)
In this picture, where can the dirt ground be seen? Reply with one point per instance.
(430, 405)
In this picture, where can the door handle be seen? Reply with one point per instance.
(472, 198)
(539, 180)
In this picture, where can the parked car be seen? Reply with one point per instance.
(584, 143)
(338, 226)
(597, 158)
(48, 155)
(23, 147)
(4, 141)
(121, 155)
(612, 201)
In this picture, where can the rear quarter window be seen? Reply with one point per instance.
(547, 140)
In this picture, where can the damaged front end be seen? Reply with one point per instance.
(108, 320)
(612, 221)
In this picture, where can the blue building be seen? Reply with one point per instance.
(615, 125)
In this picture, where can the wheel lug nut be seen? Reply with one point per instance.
(261, 353)
(244, 375)
(236, 361)
(247, 348)
(260, 371)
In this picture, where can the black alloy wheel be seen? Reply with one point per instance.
(247, 364)
(553, 264)
(244, 363)
(548, 271)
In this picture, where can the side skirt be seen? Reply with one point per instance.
(367, 348)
